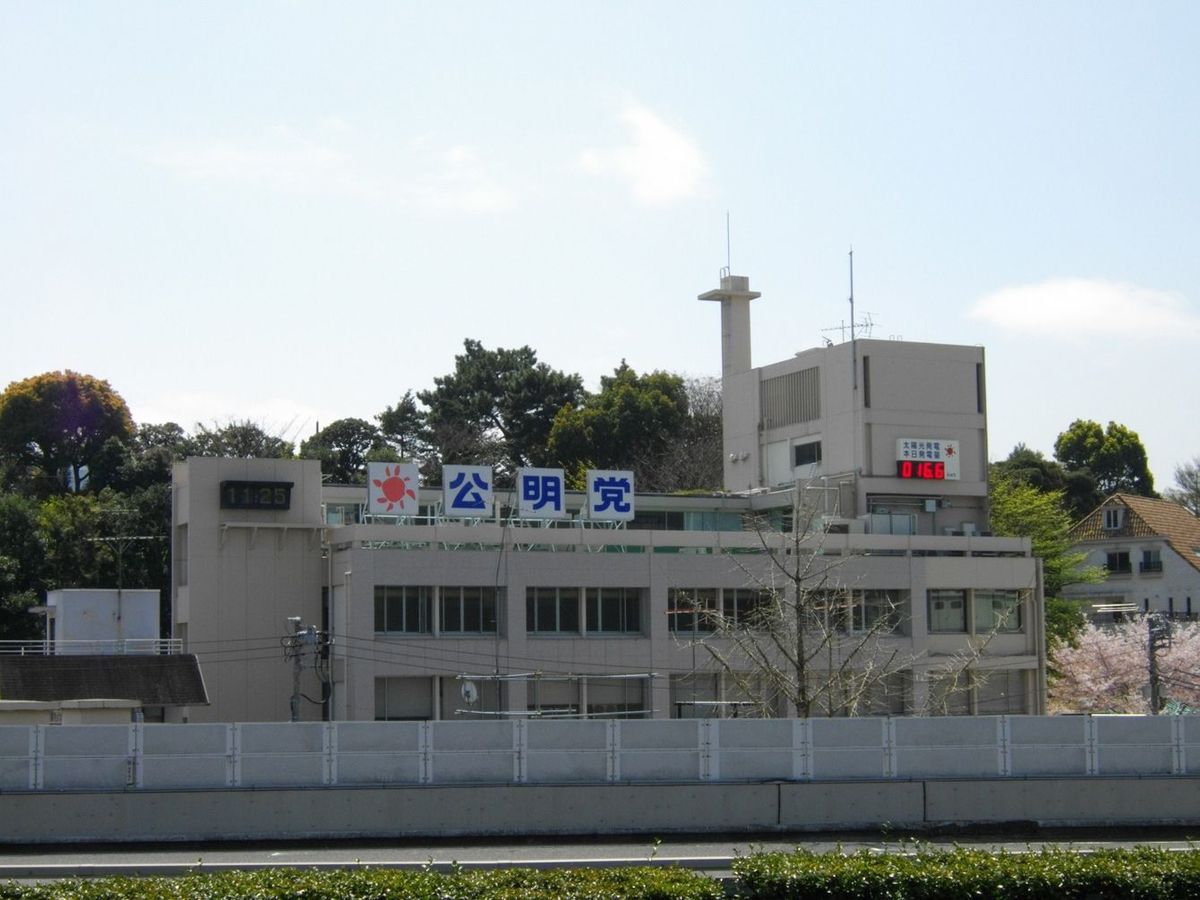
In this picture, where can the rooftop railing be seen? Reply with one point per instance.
(122, 647)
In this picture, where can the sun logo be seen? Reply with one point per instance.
(395, 489)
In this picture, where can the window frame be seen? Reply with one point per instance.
(388, 597)
(564, 598)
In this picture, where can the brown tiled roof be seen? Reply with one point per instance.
(1147, 517)
(154, 680)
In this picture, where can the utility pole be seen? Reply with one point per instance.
(1159, 635)
(296, 647)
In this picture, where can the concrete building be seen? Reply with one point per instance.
(869, 457)
(1150, 550)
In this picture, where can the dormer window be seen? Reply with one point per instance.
(1113, 517)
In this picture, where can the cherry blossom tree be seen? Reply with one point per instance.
(1108, 670)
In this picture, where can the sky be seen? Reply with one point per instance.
(293, 212)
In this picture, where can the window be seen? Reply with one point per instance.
(692, 610)
(877, 611)
(806, 454)
(1117, 563)
(614, 610)
(947, 611)
(469, 610)
(403, 699)
(998, 611)
(550, 610)
(1113, 517)
(1151, 561)
(616, 698)
(743, 605)
(403, 608)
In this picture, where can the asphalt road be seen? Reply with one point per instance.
(710, 853)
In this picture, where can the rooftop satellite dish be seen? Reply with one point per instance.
(470, 693)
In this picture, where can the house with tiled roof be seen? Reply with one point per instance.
(1150, 549)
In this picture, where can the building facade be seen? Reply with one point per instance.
(856, 481)
(1150, 551)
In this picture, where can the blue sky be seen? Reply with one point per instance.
(294, 212)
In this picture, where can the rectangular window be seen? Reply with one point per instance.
(947, 611)
(550, 610)
(806, 454)
(1151, 561)
(876, 611)
(1112, 518)
(469, 610)
(743, 606)
(997, 611)
(403, 699)
(614, 610)
(403, 608)
(616, 698)
(1117, 563)
(692, 610)
(867, 382)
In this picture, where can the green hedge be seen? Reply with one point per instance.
(925, 875)
(932, 875)
(361, 884)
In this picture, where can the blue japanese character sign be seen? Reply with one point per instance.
(540, 493)
(466, 491)
(610, 494)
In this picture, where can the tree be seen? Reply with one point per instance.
(1108, 670)
(1113, 456)
(20, 564)
(1021, 510)
(343, 447)
(1187, 487)
(54, 426)
(799, 635)
(241, 440)
(631, 423)
(1027, 466)
(497, 406)
(404, 429)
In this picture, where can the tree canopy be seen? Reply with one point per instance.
(343, 448)
(1114, 456)
(497, 406)
(241, 439)
(54, 426)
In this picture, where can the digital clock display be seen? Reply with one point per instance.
(274, 495)
(921, 468)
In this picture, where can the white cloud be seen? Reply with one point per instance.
(660, 164)
(455, 178)
(1082, 307)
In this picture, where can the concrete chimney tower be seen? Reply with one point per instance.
(735, 296)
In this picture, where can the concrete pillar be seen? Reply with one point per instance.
(735, 296)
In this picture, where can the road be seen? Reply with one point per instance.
(710, 853)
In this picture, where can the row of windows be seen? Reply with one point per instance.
(977, 611)
(1118, 562)
(409, 609)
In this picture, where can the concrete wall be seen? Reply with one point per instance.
(204, 782)
(563, 809)
(101, 619)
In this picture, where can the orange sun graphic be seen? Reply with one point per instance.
(395, 489)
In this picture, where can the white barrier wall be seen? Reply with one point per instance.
(286, 755)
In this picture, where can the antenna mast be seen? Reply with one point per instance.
(853, 335)
(728, 252)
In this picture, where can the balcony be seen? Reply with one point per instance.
(1150, 567)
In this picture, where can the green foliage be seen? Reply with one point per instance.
(54, 426)
(1050, 874)
(643, 423)
(1021, 510)
(506, 884)
(1065, 620)
(404, 429)
(343, 448)
(1113, 456)
(241, 439)
(497, 406)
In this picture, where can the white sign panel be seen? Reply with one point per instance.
(392, 489)
(466, 490)
(541, 493)
(927, 458)
(610, 494)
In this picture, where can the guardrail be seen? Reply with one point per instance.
(324, 754)
(123, 647)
